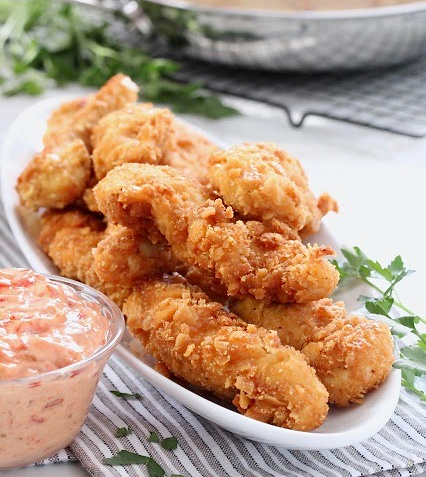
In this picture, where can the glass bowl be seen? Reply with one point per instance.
(40, 415)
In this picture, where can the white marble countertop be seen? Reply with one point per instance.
(378, 178)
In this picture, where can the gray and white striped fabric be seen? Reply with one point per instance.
(207, 450)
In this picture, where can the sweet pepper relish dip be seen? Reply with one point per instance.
(44, 326)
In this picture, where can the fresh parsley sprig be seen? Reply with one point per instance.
(126, 395)
(412, 359)
(47, 42)
(125, 457)
(169, 443)
(123, 431)
(153, 437)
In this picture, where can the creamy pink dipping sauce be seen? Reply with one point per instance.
(44, 326)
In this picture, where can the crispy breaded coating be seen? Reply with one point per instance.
(69, 238)
(263, 182)
(319, 208)
(60, 126)
(76, 119)
(266, 261)
(204, 280)
(89, 200)
(125, 256)
(58, 175)
(351, 354)
(189, 151)
(197, 340)
(55, 179)
(114, 94)
(52, 221)
(135, 133)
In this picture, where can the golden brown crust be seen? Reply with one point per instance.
(114, 94)
(136, 133)
(89, 200)
(58, 176)
(204, 280)
(55, 179)
(60, 130)
(69, 238)
(54, 220)
(319, 208)
(351, 354)
(212, 349)
(189, 152)
(126, 257)
(262, 181)
(249, 258)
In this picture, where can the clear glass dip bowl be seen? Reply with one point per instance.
(40, 415)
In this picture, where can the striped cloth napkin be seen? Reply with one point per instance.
(205, 449)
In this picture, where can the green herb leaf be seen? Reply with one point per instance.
(412, 360)
(396, 266)
(413, 357)
(153, 437)
(408, 321)
(384, 272)
(123, 432)
(129, 458)
(126, 395)
(355, 257)
(154, 469)
(169, 443)
(379, 306)
(408, 381)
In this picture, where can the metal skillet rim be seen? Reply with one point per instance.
(356, 13)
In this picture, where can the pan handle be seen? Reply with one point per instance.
(129, 8)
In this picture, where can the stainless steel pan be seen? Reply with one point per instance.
(277, 40)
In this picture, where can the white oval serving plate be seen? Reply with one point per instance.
(342, 427)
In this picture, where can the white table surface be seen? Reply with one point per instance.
(378, 178)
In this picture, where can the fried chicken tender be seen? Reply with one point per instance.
(76, 119)
(60, 126)
(52, 221)
(114, 94)
(189, 151)
(351, 354)
(266, 261)
(69, 238)
(204, 280)
(197, 340)
(125, 256)
(58, 175)
(55, 179)
(136, 133)
(263, 182)
(89, 200)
